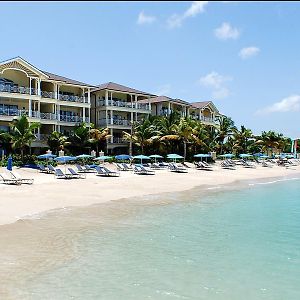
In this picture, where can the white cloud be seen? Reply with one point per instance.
(249, 52)
(196, 8)
(289, 104)
(226, 31)
(164, 90)
(216, 82)
(221, 93)
(144, 19)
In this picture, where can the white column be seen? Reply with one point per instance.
(106, 98)
(135, 100)
(106, 117)
(57, 92)
(169, 108)
(30, 108)
(83, 114)
(111, 117)
(149, 103)
(30, 85)
(39, 87)
(112, 135)
(39, 133)
(89, 96)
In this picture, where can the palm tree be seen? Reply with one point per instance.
(225, 130)
(5, 140)
(200, 136)
(22, 134)
(269, 141)
(242, 139)
(143, 134)
(98, 136)
(57, 141)
(80, 137)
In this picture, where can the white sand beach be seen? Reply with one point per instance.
(48, 193)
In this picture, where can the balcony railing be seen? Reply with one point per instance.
(117, 140)
(72, 98)
(46, 94)
(6, 88)
(207, 119)
(116, 103)
(13, 112)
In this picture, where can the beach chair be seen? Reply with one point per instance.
(155, 166)
(51, 169)
(245, 164)
(8, 180)
(138, 169)
(42, 169)
(80, 169)
(59, 174)
(226, 165)
(89, 169)
(16, 176)
(103, 171)
(175, 168)
(127, 167)
(120, 167)
(76, 174)
(202, 166)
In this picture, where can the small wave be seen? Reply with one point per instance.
(274, 181)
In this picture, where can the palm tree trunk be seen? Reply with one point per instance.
(184, 150)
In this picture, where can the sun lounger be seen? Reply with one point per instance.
(43, 169)
(89, 169)
(155, 166)
(202, 166)
(245, 164)
(226, 165)
(103, 171)
(175, 168)
(9, 180)
(75, 174)
(51, 169)
(16, 176)
(142, 171)
(120, 167)
(127, 166)
(59, 174)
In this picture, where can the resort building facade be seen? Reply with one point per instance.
(60, 103)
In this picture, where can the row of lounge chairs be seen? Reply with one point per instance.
(13, 178)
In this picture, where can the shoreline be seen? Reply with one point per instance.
(49, 194)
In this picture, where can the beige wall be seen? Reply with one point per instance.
(21, 103)
(71, 89)
(17, 77)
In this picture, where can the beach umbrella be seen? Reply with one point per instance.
(9, 163)
(46, 156)
(244, 155)
(65, 159)
(123, 157)
(201, 155)
(227, 155)
(174, 156)
(289, 156)
(155, 156)
(83, 156)
(141, 157)
(103, 157)
(264, 156)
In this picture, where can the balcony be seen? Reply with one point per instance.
(207, 119)
(73, 119)
(13, 112)
(124, 104)
(7, 88)
(72, 98)
(117, 140)
(51, 95)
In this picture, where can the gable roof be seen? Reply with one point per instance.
(166, 99)
(20, 63)
(203, 104)
(120, 88)
(65, 79)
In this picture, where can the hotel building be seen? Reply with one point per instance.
(60, 103)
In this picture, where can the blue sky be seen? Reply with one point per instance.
(242, 56)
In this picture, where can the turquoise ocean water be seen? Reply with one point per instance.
(223, 244)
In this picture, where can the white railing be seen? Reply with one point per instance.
(207, 119)
(42, 137)
(119, 103)
(117, 140)
(13, 112)
(46, 94)
(117, 122)
(72, 98)
(6, 88)
(48, 116)
(72, 119)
